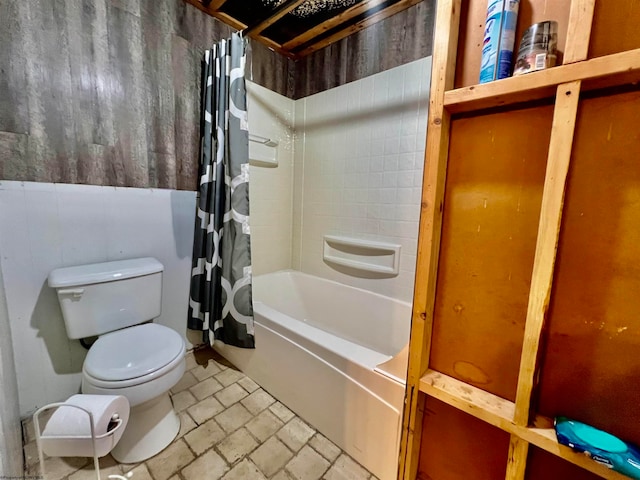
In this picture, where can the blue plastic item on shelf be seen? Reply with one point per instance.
(601, 446)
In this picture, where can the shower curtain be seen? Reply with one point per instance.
(220, 296)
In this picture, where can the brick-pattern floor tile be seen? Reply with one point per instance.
(346, 468)
(205, 409)
(233, 417)
(183, 400)
(108, 466)
(325, 447)
(205, 371)
(248, 384)
(186, 424)
(205, 436)
(282, 412)
(237, 445)
(258, 401)
(271, 456)
(190, 361)
(206, 388)
(229, 376)
(230, 429)
(170, 460)
(295, 434)
(141, 472)
(59, 467)
(209, 466)
(245, 470)
(307, 465)
(231, 394)
(282, 475)
(264, 425)
(187, 380)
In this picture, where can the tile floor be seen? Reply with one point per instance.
(231, 429)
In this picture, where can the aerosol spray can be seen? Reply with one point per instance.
(499, 40)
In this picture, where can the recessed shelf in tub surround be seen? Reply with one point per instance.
(363, 255)
(263, 151)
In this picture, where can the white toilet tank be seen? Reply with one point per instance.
(103, 297)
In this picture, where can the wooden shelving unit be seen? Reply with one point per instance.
(553, 97)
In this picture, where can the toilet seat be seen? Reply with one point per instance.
(133, 356)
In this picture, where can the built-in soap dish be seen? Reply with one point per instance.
(263, 152)
(363, 255)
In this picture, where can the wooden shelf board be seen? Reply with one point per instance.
(500, 412)
(611, 70)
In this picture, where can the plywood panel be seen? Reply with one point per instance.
(454, 446)
(492, 205)
(472, 31)
(615, 28)
(591, 366)
(545, 466)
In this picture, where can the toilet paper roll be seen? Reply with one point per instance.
(68, 431)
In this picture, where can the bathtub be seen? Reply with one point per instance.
(336, 356)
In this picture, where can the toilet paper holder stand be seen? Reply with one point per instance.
(36, 423)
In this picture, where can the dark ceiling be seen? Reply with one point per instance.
(297, 28)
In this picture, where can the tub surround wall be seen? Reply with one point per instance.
(106, 92)
(358, 171)
(271, 116)
(10, 430)
(45, 226)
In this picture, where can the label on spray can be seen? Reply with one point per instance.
(491, 41)
(507, 38)
(499, 39)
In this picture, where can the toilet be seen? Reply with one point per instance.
(132, 357)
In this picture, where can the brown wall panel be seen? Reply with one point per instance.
(491, 212)
(615, 28)
(394, 41)
(542, 465)
(591, 368)
(457, 446)
(472, 23)
(106, 92)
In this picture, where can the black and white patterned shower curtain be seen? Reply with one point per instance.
(220, 298)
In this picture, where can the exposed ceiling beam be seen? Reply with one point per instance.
(228, 19)
(273, 17)
(356, 27)
(214, 4)
(348, 14)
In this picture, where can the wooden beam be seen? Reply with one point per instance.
(342, 17)
(560, 145)
(356, 27)
(273, 17)
(517, 460)
(611, 70)
(498, 412)
(215, 4)
(579, 30)
(227, 19)
(436, 155)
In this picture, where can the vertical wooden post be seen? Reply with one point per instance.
(517, 461)
(560, 144)
(579, 30)
(436, 155)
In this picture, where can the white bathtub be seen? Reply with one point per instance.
(318, 344)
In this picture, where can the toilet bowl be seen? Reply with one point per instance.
(128, 362)
(140, 360)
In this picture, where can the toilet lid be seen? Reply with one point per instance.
(133, 352)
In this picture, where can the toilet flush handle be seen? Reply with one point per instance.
(73, 292)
